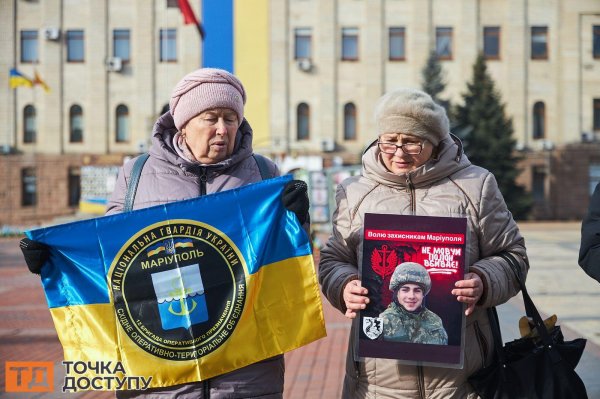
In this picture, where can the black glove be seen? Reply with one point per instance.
(295, 198)
(35, 254)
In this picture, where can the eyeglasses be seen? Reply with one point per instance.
(407, 148)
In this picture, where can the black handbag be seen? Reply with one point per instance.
(531, 367)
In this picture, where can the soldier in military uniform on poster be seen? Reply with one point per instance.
(406, 319)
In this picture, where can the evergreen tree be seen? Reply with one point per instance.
(432, 78)
(487, 137)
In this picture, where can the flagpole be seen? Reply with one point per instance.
(14, 92)
(61, 84)
(200, 31)
(202, 34)
(37, 107)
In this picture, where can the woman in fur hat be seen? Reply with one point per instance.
(416, 167)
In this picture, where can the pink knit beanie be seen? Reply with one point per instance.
(204, 89)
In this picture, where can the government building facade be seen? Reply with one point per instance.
(313, 70)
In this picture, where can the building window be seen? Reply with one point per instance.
(596, 40)
(168, 45)
(443, 43)
(539, 120)
(29, 46)
(349, 121)
(172, 3)
(75, 46)
(302, 43)
(491, 42)
(121, 44)
(596, 114)
(28, 187)
(75, 124)
(538, 182)
(539, 42)
(350, 44)
(122, 124)
(302, 122)
(74, 186)
(29, 124)
(397, 44)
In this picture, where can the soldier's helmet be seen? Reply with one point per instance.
(411, 272)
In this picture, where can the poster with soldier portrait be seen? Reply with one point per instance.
(410, 265)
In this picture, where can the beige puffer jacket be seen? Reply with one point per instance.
(444, 186)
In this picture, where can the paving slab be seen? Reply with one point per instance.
(555, 281)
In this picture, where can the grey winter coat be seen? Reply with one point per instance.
(166, 177)
(446, 185)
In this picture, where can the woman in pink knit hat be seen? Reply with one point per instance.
(202, 145)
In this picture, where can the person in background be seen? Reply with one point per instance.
(416, 167)
(202, 145)
(406, 318)
(589, 252)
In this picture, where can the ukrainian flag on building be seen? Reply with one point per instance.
(237, 39)
(184, 291)
(17, 79)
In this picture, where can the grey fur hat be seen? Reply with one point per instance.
(413, 112)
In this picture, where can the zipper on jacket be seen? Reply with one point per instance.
(421, 382)
(203, 179)
(206, 389)
(411, 192)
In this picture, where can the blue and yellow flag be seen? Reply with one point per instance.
(17, 79)
(238, 39)
(184, 291)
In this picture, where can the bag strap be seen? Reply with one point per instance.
(496, 333)
(134, 179)
(530, 308)
(263, 168)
